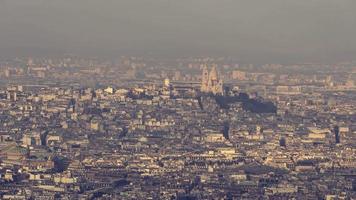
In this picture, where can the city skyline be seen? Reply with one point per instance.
(177, 99)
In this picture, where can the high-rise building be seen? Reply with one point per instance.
(211, 82)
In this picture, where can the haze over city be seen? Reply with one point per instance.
(177, 99)
(254, 31)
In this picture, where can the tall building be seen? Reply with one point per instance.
(211, 82)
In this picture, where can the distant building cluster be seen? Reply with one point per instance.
(138, 128)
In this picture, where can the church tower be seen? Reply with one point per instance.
(205, 79)
(211, 81)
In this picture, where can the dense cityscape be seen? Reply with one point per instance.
(189, 128)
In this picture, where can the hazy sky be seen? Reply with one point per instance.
(251, 30)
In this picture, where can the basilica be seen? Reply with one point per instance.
(211, 82)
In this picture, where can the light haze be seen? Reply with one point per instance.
(250, 30)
